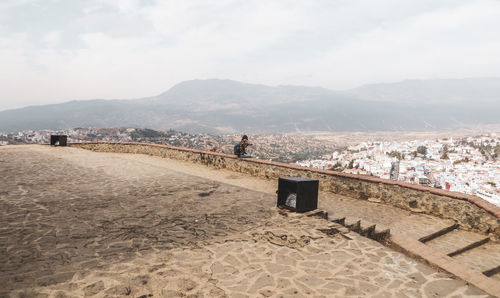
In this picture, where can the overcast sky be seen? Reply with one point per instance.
(58, 50)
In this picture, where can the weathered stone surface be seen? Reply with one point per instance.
(94, 288)
(54, 279)
(441, 288)
(148, 233)
(428, 200)
(120, 290)
(71, 218)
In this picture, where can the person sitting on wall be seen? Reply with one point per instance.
(241, 147)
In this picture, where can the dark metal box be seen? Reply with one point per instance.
(58, 140)
(298, 194)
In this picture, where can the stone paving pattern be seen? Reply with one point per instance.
(288, 256)
(56, 213)
(76, 223)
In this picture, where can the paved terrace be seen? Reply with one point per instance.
(78, 223)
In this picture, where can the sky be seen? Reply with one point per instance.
(53, 51)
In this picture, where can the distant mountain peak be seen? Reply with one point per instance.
(221, 85)
(210, 93)
(209, 105)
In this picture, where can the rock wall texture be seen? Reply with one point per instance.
(470, 212)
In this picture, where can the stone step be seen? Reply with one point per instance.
(353, 224)
(317, 213)
(457, 242)
(471, 275)
(485, 258)
(438, 233)
(367, 230)
(470, 246)
(340, 220)
(493, 271)
(496, 277)
(364, 228)
(399, 221)
(381, 233)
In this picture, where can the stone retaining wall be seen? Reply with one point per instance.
(470, 212)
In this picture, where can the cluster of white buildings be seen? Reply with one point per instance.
(467, 165)
(22, 136)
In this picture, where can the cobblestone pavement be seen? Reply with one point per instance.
(58, 218)
(79, 223)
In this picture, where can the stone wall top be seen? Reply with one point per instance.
(489, 207)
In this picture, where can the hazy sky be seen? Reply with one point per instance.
(59, 50)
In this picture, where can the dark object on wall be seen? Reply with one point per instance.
(298, 194)
(58, 140)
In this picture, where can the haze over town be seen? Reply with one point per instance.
(56, 51)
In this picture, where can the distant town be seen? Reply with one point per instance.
(468, 165)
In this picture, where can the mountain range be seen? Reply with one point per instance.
(226, 106)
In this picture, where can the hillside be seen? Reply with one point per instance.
(222, 106)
